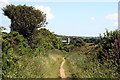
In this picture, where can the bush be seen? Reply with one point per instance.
(109, 49)
(44, 39)
(14, 47)
(79, 43)
(78, 65)
(68, 48)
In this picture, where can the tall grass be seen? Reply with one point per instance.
(79, 65)
(45, 65)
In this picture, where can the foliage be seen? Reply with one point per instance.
(14, 47)
(44, 39)
(79, 43)
(73, 39)
(20, 62)
(95, 40)
(24, 19)
(109, 49)
(75, 44)
(78, 65)
(44, 65)
(41, 66)
(85, 64)
(68, 48)
(17, 54)
(110, 46)
(2, 28)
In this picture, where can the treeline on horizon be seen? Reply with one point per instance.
(28, 39)
(85, 39)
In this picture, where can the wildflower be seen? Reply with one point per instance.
(115, 40)
(94, 43)
(117, 47)
(119, 44)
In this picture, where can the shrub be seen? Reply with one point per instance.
(68, 48)
(46, 40)
(14, 47)
(109, 48)
(79, 43)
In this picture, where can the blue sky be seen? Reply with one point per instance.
(75, 18)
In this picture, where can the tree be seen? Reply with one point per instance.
(2, 28)
(24, 19)
(43, 38)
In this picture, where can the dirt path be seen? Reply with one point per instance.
(62, 71)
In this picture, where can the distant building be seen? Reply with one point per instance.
(66, 41)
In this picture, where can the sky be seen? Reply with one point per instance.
(72, 18)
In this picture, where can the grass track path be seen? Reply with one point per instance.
(62, 71)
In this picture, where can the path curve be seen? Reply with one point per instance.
(62, 71)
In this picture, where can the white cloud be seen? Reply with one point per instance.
(92, 18)
(46, 10)
(115, 24)
(3, 3)
(112, 16)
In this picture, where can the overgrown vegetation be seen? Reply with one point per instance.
(29, 52)
(109, 49)
(15, 47)
(81, 65)
(96, 61)
(45, 65)
(26, 41)
(44, 39)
